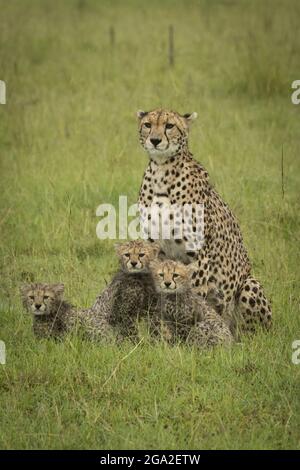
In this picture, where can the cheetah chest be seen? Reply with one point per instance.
(162, 218)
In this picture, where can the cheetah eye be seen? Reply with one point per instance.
(175, 275)
(161, 274)
(141, 255)
(127, 255)
(147, 124)
(31, 297)
(46, 297)
(169, 125)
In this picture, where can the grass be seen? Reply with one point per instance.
(68, 142)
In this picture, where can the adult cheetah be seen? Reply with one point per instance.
(174, 178)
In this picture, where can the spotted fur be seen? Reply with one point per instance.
(135, 255)
(182, 314)
(130, 294)
(174, 177)
(116, 311)
(52, 315)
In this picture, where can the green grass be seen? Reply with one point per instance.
(68, 142)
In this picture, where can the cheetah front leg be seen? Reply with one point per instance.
(200, 276)
(253, 307)
(204, 284)
(210, 332)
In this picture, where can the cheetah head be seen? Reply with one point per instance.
(171, 277)
(136, 255)
(163, 133)
(40, 298)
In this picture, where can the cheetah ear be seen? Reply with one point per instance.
(154, 265)
(140, 114)
(190, 117)
(24, 289)
(119, 248)
(58, 289)
(155, 248)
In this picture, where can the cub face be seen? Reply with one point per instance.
(40, 298)
(136, 255)
(163, 133)
(171, 277)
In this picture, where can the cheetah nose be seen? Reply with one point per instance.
(167, 284)
(155, 142)
(133, 264)
(38, 306)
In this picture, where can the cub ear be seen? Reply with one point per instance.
(117, 247)
(154, 265)
(58, 288)
(190, 117)
(155, 248)
(24, 289)
(121, 248)
(140, 114)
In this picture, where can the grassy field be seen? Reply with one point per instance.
(68, 142)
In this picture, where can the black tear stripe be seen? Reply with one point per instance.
(179, 129)
(165, 132)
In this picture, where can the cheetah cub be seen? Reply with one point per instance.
(129, 295)
(182, 313)
(52, 315)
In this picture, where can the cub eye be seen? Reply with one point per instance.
(141, 255)
(169, 125)
(31, 297)
(127, 255)
(46, 297)
(175, 275)
(161, 274)
(147, 124)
